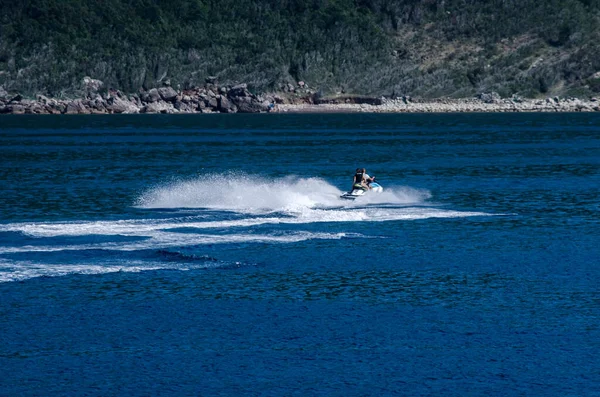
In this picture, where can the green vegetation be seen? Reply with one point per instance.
(427, 48)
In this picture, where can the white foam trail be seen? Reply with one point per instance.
(149, 227)
(162, 240)
(23, 270)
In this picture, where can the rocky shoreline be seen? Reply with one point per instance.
(212, 98)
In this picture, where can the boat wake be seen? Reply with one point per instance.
(185, 217)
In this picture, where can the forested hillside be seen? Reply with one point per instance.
(426, 48)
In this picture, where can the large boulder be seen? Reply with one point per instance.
(246, 104)
(119, 105)
(151, 96)
(98, 104)
(183, 107)
(76, 107)
(489, 97)
(225, 105)
(34, 107)
(213, 103)
(14, 109)
(167, 94)
(56, 107)
(158, 107)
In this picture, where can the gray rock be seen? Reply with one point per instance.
(17, 98)
(239, 90)
(61, 107)
(50, 110)
(213, 103)
(36, 108)
(136, 99)
(3, 93)
(158, 107)
(183, 107)
(246, 104)
(98, 104)
(15, 108)
(151, 96)
(119, 105)
(167, 93)
(225, 106)
(211, 80)
(149, 109)
(76, 107)
(489, 97)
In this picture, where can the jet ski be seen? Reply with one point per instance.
(356, 193)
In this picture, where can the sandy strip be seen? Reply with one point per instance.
(448, 106)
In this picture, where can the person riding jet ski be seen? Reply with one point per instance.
(361, 184)
(361, 180)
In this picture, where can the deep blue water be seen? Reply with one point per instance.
(212, 255)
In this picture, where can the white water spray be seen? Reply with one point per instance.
(255, 194)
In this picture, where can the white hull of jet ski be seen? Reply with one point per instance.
(355, 193)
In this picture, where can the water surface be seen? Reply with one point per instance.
(211, 254)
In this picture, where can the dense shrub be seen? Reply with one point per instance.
(420, 47)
